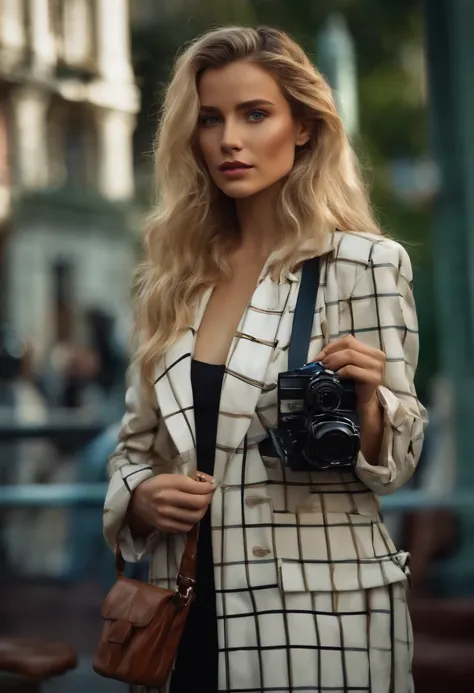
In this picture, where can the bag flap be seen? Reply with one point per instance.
(340, 552)
(134, 602)
(119, 632)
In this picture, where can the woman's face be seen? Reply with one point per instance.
(247, 133)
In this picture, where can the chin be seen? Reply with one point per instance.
(239, 190)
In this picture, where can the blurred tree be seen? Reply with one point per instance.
(218, 12)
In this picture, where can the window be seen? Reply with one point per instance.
(72, 146)
(74, 27)
(62, 276)
(77, 32)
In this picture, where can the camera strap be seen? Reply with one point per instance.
(304, 314)
(300, 337)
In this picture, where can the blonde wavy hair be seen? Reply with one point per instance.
(193, 228)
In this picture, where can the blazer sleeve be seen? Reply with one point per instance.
(383, 316)
(134, 460)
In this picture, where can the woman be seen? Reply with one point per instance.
(301, 587)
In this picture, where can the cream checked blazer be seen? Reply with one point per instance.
(310, 590)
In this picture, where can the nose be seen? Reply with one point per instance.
(231, 138)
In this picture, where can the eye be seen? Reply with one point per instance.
(256, 116)
(208, 120)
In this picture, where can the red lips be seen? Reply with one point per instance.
(233, 165)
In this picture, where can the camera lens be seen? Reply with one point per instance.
(331, 449)
(335, 446)
(324, 394)
(331, 444)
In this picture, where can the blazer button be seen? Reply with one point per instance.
(252, 501)
(260, 551)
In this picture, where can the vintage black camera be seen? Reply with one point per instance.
(318, 424)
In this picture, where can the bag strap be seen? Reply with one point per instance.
(186, 578)
(304, 314)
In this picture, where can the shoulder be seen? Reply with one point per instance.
(360, 252)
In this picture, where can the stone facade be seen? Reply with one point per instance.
(68, 102)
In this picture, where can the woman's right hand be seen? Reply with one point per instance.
(170, 502)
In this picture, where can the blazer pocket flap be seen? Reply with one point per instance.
(342, 575)
(337, 552)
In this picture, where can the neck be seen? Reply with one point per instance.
(258, 222)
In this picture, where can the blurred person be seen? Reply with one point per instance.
(110, 358)
(68, 365)
(298, 584)
(87, 372)
(33, 540)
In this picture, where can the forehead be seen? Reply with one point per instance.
(236, 83)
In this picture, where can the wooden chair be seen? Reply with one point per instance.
(26, 663)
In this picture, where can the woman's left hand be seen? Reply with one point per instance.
(351, 359)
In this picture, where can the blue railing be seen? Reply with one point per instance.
(92, 495)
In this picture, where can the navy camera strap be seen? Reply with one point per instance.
(304, 314)
(300, 336)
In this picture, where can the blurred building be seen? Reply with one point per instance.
(68, 102)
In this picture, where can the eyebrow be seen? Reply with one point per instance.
(242, 106)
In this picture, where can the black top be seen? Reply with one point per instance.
(196, 665)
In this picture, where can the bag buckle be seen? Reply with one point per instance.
(185, 590)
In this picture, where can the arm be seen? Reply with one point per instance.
(383, 316)
(371, 430)
(135, 459)
(146, 495)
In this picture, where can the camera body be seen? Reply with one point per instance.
(318, 423)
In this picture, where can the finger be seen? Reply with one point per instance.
(340, 343)
(175, 527)
(188, 485)
(202, 476)
(346, 357)
(360, 375)
(182, 514)
(185, 500)
(349, 342)
(330, 349)
(202, 512)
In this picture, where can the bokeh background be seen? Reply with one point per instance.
(80, 89)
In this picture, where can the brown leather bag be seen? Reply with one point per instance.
(144, 623)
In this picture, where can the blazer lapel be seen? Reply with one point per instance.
(249, 357)
(174, 389)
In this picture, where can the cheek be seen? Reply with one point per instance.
(278, 150)
(206, 147)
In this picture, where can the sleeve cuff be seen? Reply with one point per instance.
(122, 484)
(382, 477)
(134, 548)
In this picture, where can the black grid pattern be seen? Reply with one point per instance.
(311, 591)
